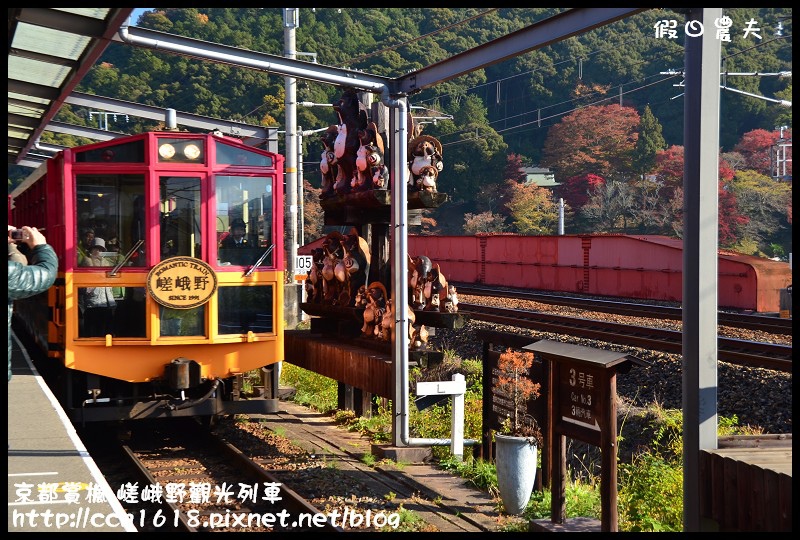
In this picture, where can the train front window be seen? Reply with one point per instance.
(182, 322)
(129, 152)
(244, 309)
(110, 217)
(181, 227)
(244, 220)
(119, 311)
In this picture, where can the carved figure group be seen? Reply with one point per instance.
(353, 154)
(380, 321)
(428, 290)
(353, 160)
(451, 300)
(356, 262)
(339, 269)
(435, 290)
(375, 308)
(389, 323)
(314, 281)
(418, 268)
(327, 164)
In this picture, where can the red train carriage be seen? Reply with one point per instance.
(155, 314)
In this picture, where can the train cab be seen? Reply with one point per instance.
(171, 272)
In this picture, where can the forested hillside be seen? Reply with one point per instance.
(508, 109)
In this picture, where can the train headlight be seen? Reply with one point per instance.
(191, 151)
(166, 151)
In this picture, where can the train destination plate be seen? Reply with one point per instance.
(181, 282)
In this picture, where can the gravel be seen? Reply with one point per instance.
(759, 398)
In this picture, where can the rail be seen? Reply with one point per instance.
(735, 351)
(774, 325)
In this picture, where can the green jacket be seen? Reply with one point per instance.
(25, 281)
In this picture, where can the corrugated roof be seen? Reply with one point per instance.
(49, 52)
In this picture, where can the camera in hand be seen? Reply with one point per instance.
(17, 234)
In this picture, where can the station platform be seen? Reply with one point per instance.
(53, 483)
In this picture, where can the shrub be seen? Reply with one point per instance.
(513, 381)
(312, 389)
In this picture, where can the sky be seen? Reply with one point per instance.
(136, 13)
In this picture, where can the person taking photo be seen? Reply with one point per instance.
(34, 278)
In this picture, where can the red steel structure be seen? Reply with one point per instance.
(646, 267)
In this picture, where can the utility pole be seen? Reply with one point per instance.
(103, 118)
(781, 158)
(293, 291)
(290, 24)
(300, 191)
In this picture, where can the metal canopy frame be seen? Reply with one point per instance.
(35, 96)
(43, 73)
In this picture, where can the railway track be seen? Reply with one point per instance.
(206, 485)
(735, 351)
(318, 474)
(748, 321)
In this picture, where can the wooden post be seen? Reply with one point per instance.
(583, 406)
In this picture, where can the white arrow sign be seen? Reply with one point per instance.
(595, 427)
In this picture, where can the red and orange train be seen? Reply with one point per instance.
(138, 222)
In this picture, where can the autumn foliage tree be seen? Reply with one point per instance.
(756, 148)
(484, 222)
(763, 201)
(532, 209)
(514, 169)
(576, 190)
(731, 220)
(669, 173)
(513, 174)
(669, 167)
(610, 207)
(515, 383)
(428, 226)
(599, 139)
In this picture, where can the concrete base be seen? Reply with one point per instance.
(402, 454)
(292, 296)
(576, 524)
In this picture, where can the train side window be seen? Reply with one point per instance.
(96, 308)
(238, 155)
(244, 200)
(131, 314)
(181, 219)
